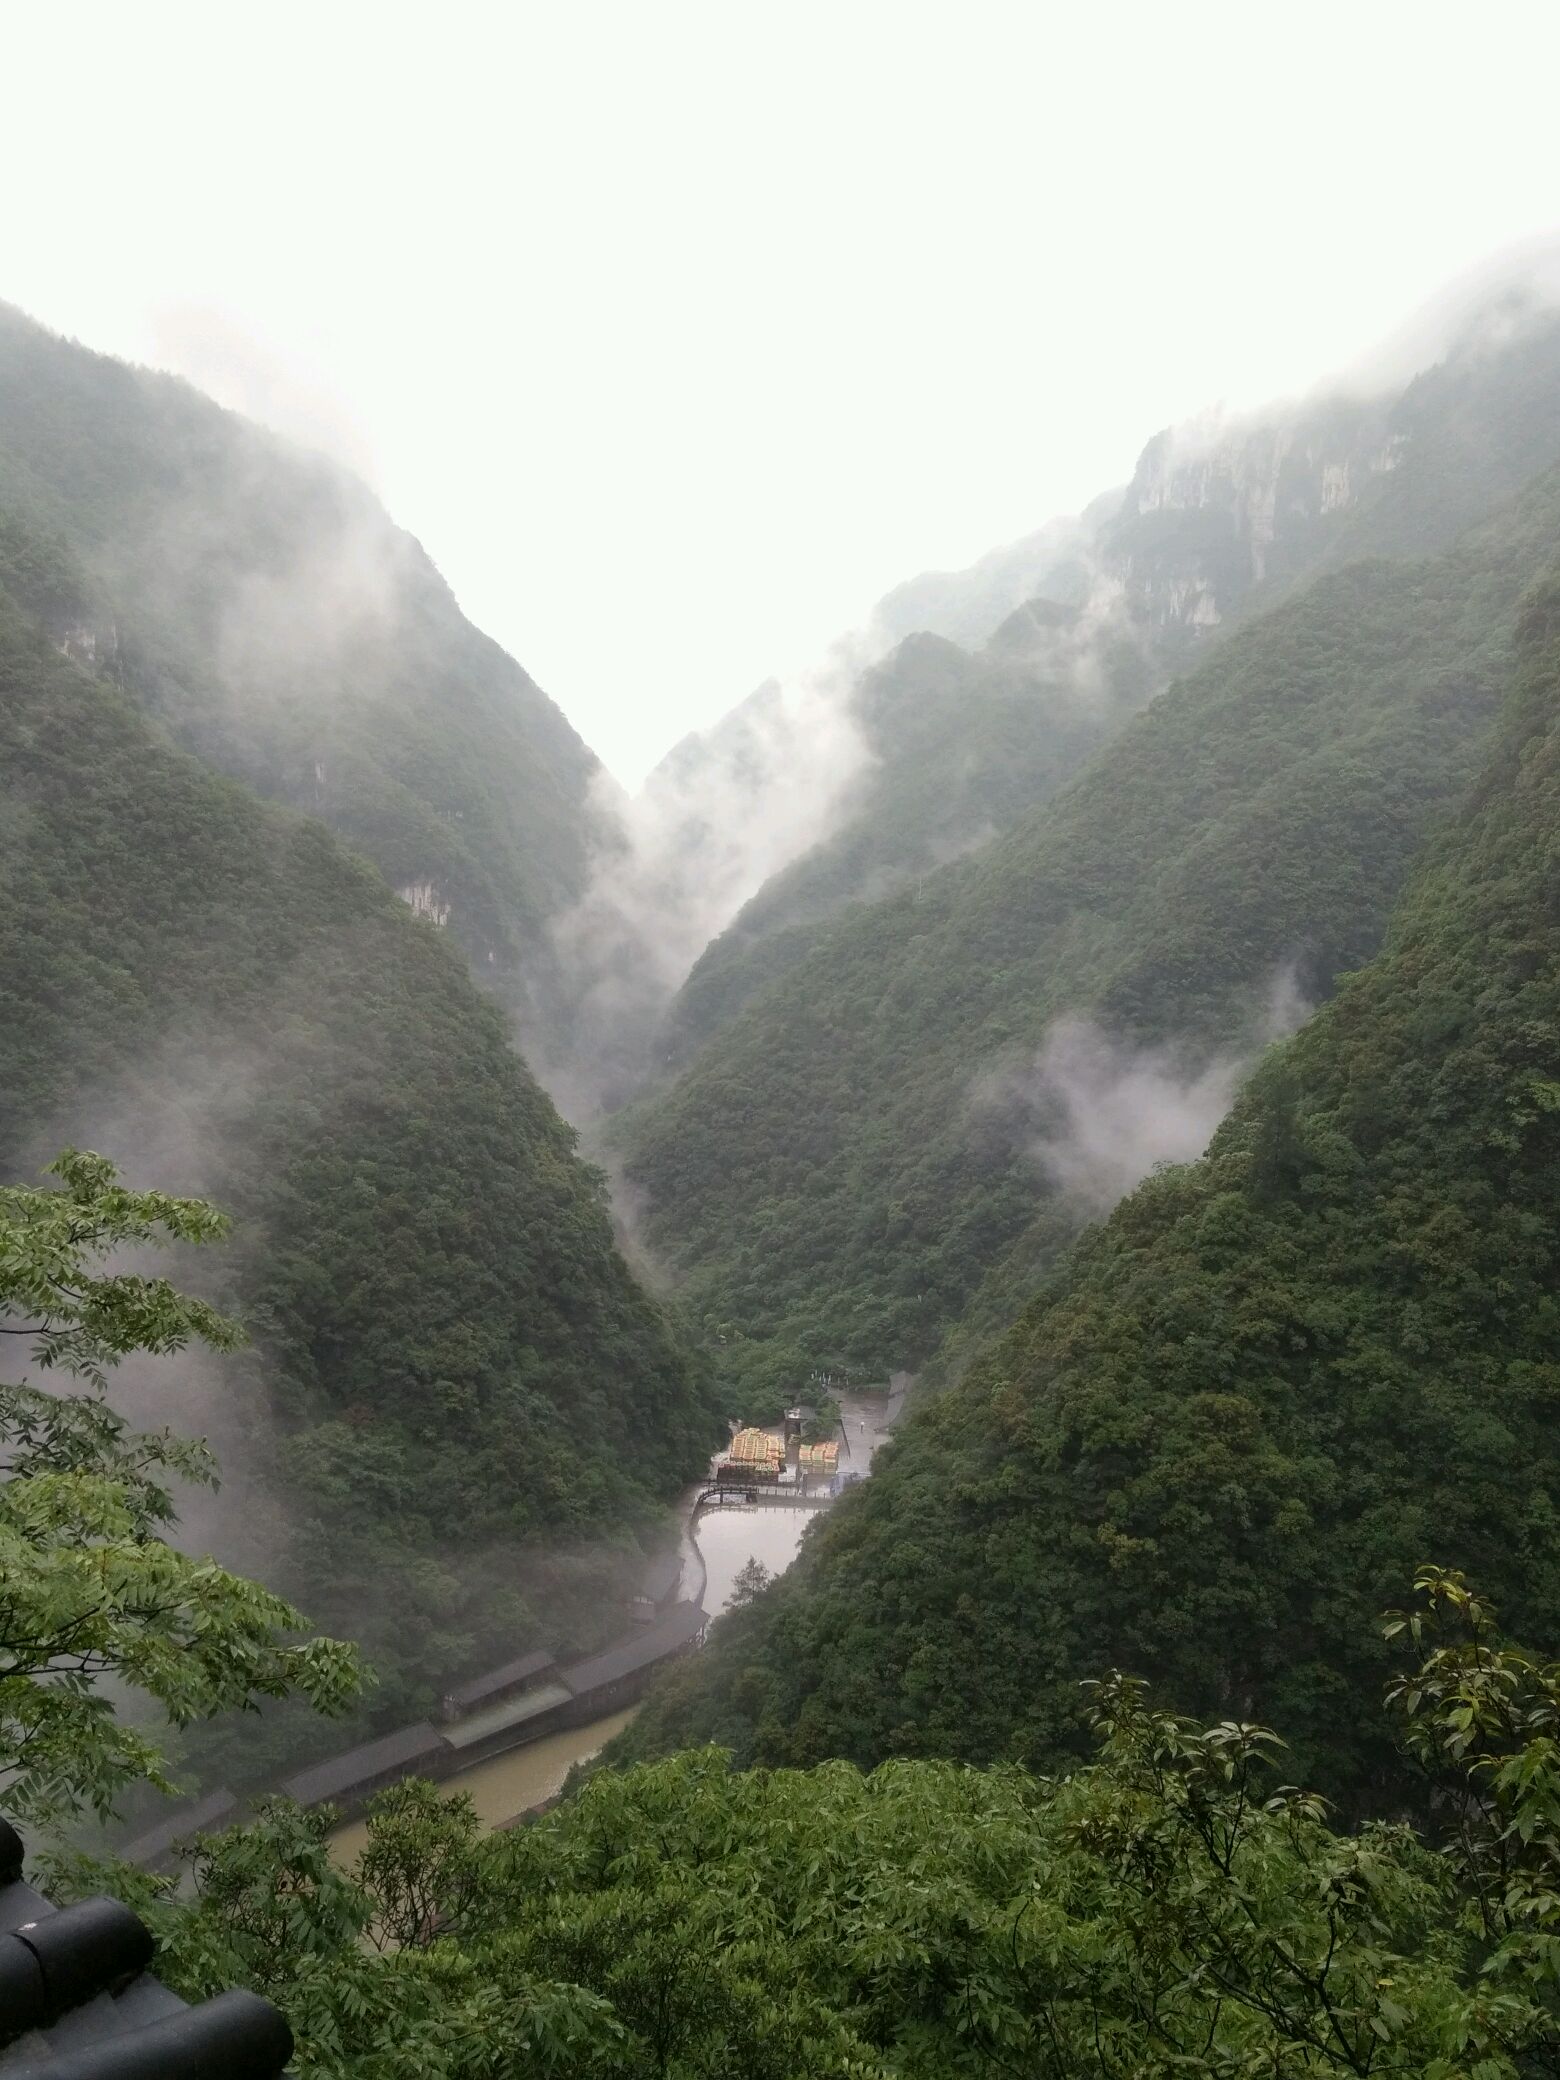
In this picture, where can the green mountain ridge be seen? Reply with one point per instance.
(460, 1416)
(821, 1179)
(960, 746)
(1248, 1404)
(259, 604)
(1220, 522)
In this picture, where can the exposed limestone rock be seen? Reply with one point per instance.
(424, 899)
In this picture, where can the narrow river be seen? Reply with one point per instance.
(729, 1538)
(507, 1784)
(721, 1542)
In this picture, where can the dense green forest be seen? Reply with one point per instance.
(1175, 1906)
(1219, 524)
(842, 1168)
(984, 1784)
(260, 604)
(1245, 1404)
(459, 1415)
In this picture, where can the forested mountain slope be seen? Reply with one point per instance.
(838, 1170)
(959, 745)
(455, 1383)
(1252, 1400)
(260, 604)
(1220, 521)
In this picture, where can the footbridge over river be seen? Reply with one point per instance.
(724, 1497)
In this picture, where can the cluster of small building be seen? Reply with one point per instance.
(752, 1455)
(765, 1458)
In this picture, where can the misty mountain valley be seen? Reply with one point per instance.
(885, 1405)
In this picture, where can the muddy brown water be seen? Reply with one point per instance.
(507, 1784)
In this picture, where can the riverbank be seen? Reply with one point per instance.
(511, 1744)
(509, 1784)
(543, 1704)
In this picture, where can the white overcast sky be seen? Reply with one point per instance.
(680, 332)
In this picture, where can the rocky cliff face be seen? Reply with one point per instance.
(1221, 514)
(1215, 509)
(1220, 508)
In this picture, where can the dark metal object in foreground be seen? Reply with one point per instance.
(236, 2036)
(77, 2003)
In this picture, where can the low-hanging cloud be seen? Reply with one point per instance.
(1480, 309)
(224, 358)
(1116, 1113)
(1098, 1113)
(675, 863)
(732, 807)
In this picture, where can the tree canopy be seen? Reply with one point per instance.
(1174, 1906)
(92, 1594)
